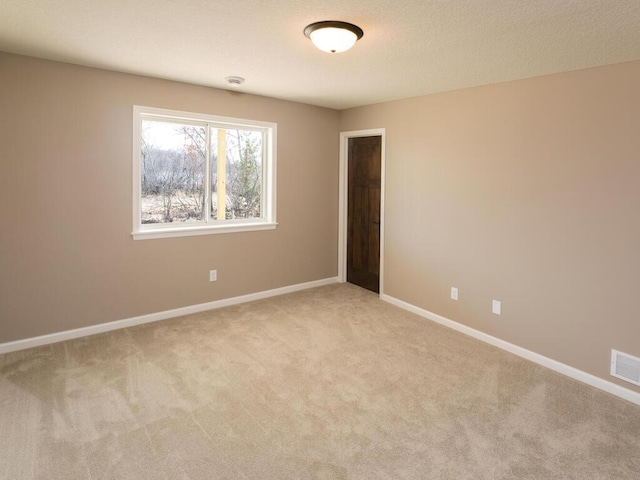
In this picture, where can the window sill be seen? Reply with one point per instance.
(151, 233)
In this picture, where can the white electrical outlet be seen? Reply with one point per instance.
(454, 293)
(496, 307)
(213, 275)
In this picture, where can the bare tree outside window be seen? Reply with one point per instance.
(243, 174)
(173, 172)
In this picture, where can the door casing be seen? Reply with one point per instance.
(343, 204)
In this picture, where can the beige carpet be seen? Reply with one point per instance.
(329, 383)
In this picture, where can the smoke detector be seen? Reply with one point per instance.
(234, 81)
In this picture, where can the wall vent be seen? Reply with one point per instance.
(625, 367)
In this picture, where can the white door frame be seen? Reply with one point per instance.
(343, 204)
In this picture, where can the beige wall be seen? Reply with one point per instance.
(526, 192)
(67, 258)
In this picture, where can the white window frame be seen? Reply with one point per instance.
(267, 221)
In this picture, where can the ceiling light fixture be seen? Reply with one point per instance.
(333, 36)
(234, 81)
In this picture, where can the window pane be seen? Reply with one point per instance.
(236, 184)
(173, 172)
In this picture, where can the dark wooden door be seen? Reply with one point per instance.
(363, 218)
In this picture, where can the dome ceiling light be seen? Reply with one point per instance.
(333, 36)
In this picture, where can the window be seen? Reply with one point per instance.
(199, 174)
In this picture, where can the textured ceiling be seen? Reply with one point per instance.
(409, 47)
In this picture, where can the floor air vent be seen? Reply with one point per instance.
(625, 367)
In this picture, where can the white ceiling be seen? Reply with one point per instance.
(409, 47)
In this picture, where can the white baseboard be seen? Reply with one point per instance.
(559, 367)
(154, 317)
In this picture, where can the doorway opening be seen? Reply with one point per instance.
(361, 215)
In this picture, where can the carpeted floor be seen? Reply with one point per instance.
(329, 383)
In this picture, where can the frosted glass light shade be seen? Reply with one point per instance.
(333, 36)
(333, 40)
